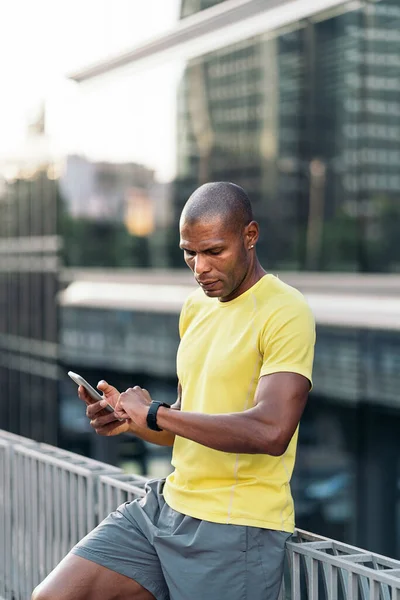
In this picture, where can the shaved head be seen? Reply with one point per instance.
(218, 237)
(223, 200)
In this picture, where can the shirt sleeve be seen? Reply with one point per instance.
(182, 321)
(288, 339)
(184, 317)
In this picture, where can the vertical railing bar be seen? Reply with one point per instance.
(35, 526)
(81, 506)
(9, 521)
(110, 499)
(306, 560)
(73, 520)
(20, 532)
(120, 497)
(65, 512)
(28, 525)
(385, 591)
(296, 591)
(29, 530)
(333, 591)
(3, 509)
(327, 578)
(7, 516)
(352, 586)
(396, 593)
(100, 501)
(42, 524)
(18, 516)
(364, 588)
(21, 527)
(373, 589)
(14, 547)
(57, 514)
(343, 581)
(48, 516)
(92, 501)
(52, 511)
(313, 591)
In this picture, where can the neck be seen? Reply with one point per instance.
(254, 274)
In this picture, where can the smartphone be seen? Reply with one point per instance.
(94, 394)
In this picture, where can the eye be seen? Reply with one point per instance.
(215, 252)
(189, 252)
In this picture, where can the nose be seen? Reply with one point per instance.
(200, 265)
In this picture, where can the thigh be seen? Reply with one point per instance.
(122, 543)
(265, 562)
(203, 560)
(76, 578)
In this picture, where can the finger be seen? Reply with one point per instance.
(108, 429)
(93, 409)
(123, 398)
(105, 387)
(83, 395)
(146, 394)
(106, 403)
(121, 414)
(103, 420)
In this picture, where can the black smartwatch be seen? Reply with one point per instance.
(152, 415)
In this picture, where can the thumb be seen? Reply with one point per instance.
(104, 387)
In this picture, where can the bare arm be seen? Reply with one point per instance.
(162, 438)
(105, 423)
(266, 428)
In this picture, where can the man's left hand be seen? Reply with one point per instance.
(134, 403)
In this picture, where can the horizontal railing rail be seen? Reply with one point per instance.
(51, 498)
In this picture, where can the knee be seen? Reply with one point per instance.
(40, 593)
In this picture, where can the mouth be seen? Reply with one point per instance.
(208, 285)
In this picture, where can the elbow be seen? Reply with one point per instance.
(276, 449)
(276, 445)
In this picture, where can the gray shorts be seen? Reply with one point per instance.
(177, 557)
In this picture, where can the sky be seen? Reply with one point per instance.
(42, 41)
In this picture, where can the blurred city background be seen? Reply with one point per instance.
(112, 113)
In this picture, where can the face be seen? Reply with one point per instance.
(217, 255)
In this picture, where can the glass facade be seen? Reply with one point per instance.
(306, 119)
(191, 7)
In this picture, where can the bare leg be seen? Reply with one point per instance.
(76, 578)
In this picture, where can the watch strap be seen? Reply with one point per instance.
(151, 418)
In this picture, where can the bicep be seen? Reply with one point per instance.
(280, 400)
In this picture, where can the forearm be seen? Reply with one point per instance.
(234, 432)
(161, 438)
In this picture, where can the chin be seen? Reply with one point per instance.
(212, 293)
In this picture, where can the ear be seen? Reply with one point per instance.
(251, 234)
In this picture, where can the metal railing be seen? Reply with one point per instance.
(50, 498)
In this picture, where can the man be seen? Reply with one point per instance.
(217, 527)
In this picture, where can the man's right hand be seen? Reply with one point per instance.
(102, 421)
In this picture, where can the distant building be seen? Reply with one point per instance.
(190, 7)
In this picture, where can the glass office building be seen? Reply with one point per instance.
(306, 117)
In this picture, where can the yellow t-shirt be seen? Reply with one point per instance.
(225, 348)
